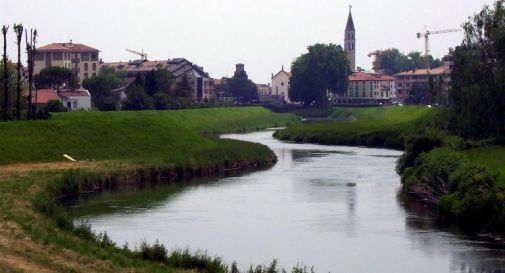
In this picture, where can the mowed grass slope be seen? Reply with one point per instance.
(375, 126)
(140, 137)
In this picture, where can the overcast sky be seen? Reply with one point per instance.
(217, 34)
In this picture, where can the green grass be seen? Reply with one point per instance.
(375, 126)
(492, 157)
(140, 137)
(148, 142)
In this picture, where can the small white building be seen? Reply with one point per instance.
(280, 84)
(76, 100)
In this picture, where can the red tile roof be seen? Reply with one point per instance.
(71, 47)
(363, 76)
(422, 72)
(141, 67)
(44, 96)
(75, 93)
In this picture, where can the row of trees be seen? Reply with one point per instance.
(392, 61)
(13, 106)
(478, 92)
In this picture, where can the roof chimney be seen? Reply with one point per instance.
(239, 68)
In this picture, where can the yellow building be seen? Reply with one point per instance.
(80, 59)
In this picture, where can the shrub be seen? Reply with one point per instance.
(429, 178)
(156, 252)
(415, 144)
(55, 106)
(199, 261)
(475, 200)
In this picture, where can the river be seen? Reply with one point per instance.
(336, 208)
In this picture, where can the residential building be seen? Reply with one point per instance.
(264, 89)
(134, 68)
(81, 59)
(76, 100)
(73, 100)
(350, 41)
(197, 77)
(405, 80)
(280, 85)
(368, 89)
(199, 80)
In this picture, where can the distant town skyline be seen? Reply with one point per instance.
(217, 34)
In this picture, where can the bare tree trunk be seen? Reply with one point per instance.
(19, 34)
(30, 50)
(6, 76)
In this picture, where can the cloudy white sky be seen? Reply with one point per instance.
(216, 34)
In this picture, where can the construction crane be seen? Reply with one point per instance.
(426, 34)
(376, 62)
(142, 55)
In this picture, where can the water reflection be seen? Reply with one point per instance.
(332, 207)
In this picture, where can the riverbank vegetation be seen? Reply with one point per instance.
(374, 126)
(115, 150)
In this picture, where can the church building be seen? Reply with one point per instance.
(364, 88)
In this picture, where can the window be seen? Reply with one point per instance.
(94, 67)
(69, 105)
(85, 66)
(94, 74)
(85, 75)
(282, 83)
(74, 104)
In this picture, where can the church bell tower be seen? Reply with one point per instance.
(350, 41)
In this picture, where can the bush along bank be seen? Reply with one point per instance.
(436, 172)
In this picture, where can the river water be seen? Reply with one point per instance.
(336, 208)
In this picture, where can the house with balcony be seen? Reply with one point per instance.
(407, 79)
(368, 89)
(81, 59)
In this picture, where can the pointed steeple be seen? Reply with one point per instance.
(350, 22)
(350, 41)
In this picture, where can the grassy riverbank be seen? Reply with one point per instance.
(116, 149)
(140, 137)
(374, 126)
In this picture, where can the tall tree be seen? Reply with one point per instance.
(30, 51)
(240, 88)
(325, 68)
(183, 88)
(54, 77)
(18, 29)
(137, 99)
(5, 76)
(478, 92)
(103, 86)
